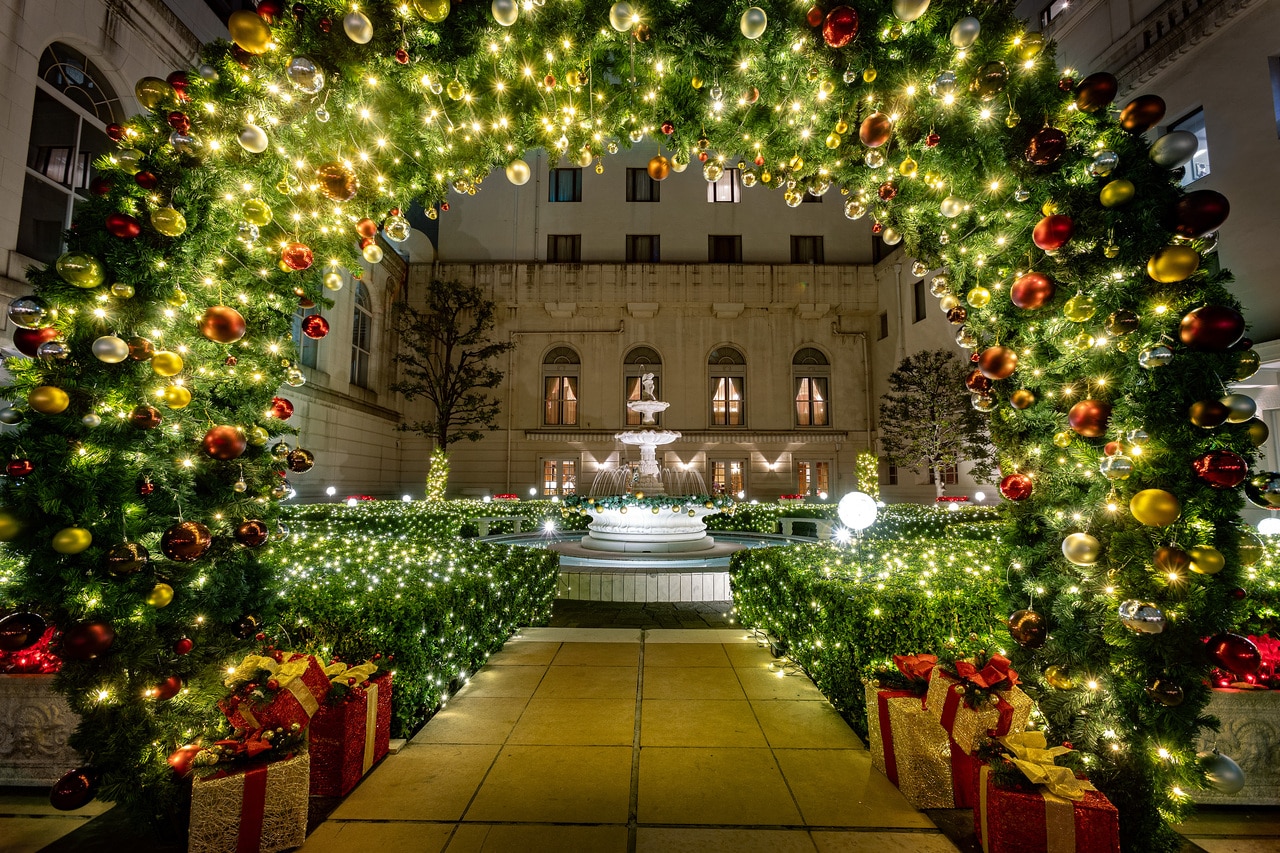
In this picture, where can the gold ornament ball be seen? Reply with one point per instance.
(249, 31)
(177, 397)
(434, 11)
(129, 160)
(1171, 264)
(1241, 408)
(256, 212)
(1058, 678)
(1022, 399)
(1117, 193)
(81, 270)
(72, 540)
(979, 297)
(1155, 507)
(152, 92)
(258, 436)
(333, 281)
(48, 400)
(10, 526)
(1080, 308)
(659, 168)
(338, 181)
(1206, 560)
(169, 222)
(834, 140)
(842, 126)
(454, 90)
(1248, 547)
(1081, 549)
(161, 595)
(1063, 439)
(372, 253)
(166, 363)
(1258, 432)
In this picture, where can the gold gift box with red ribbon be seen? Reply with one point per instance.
(294, 690)
(998, 707)
(260, 808)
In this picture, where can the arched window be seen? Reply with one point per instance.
(361, 336)
(811, 373)
(727, 372)
(639, 364)
(560, 369)
(73, 105)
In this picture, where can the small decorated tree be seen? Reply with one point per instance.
(926, 420)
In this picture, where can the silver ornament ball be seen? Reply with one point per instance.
(1141, 617)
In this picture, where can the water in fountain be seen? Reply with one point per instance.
(610, 482)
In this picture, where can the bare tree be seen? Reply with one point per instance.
(927, 421)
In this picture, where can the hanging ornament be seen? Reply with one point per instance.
(1053, 232)
(280, 450)
(1096, 91)
(186, 541)
(297, 256)
(753, 22)
(300, 461)
(87, 640)
(53, 351)
(122, 226)
(165, 363)
(20, 630)
(1174, 149)
(253, 139)
(712, 172)
(1117, 193)
(249, 31)
(875, 130)
(76, 788)
(315, 327)
(167, 689)
(110, 349)
(1155, 508)
(1046, 147)
(1022, 399)
(1028, 628)
(1079, 308)
(1249, 548)
(252, 533)
(182, 759)
(990, 81)
(18, 467)
(1234, 653)
(338, 181)
(294, 378)
(1240, 408)
(305, 76)
(1142, 113)
(81, 270)
(48, 400)
(183, 646)
(1171, 264)
(1221, 773)
(1057, 677)
(358, 27)
(964, 32)
(840, 27)
(1089, 418)
(126, 558)
(1246, 365)
(372, 253)
(1206, 560)
(1208, 414)
(518, 172)
(10, 416)
(30, 312)
(998, 362)
(1199, 213)
(91, 420)
(1212, 328)
(1170, 560)
(1141, 617)
(396, 228)
(225, 442)
(1117, 467)
(1016, 487)
(282, 490)
(222, 324)
(984, 402)
(1155, 356)
(160, 596)
(1263, 489)
(1122, 322)
(152, 92)
(908, 10)
(891, 237)
(659, 168)
(433, 11)
(978, 297)
(976, 383)
(281, 408)
(144, 417)
(951, 206)
(1081, 549)
(169, 222)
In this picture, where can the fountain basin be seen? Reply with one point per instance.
(639, 530)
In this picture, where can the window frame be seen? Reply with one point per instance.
(571, 242)
(716, 465)
(556, 185)
(727, 374)
(816, 251)
(638, 178)
(567, 397)
(806, 375)
(728, 184)
(822, 469)
(884, 325)
(1202, 138)
(920, 300)
(362, 322)
(559, 467)
(735, 245)
(633, 243)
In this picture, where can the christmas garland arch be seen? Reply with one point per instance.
(1072, 265)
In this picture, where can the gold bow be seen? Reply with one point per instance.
(1032, 755)
(338, 673)
(289, 670)
(248, 668)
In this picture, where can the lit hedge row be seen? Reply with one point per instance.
(895, 521)
(1262, 591)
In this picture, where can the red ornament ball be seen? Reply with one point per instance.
(887, 190)
(668, 128)
(1111, 448)
(998, 362)
(168, 688)
(183, 646)
(932, 140)
(1016, 487)
(1199, 213)
(1053, 232)
(1096, 91)
(315, 326)
(1221, 469)
(144, 417)
(297, 256)
(759, 161)
(75, 789)
(402, 56)
(28, 341)
(1234, 653)
(875, 130)
(179, 81)
(225, 442)
(976, 383)
(222, 324)
(367, 228)
(146, 487)
(1089, 418)
(1212, 328)
(840, 27)
(702, 156)
(281, 408)
(1142, 113)
(20, 630)
(123, 226)
(182, 758)
(19, 467)
(178, 121)
(186, 541)
(100, 186)
(813, 17)
(252, 533)
(147, 179)
(88, 640)
(269, 10)
(115, 132)
(1046, 147)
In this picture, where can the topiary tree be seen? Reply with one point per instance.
(1073, 265)
(927, 422)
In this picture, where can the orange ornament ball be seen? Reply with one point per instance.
(998, 362)
(222, 324)
(1089, 418)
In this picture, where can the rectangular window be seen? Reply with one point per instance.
(1199, 166)
(307, 346)
(724, 249)
(565, 185)
(634, 393)
(1052, 11)
(950, 475)
(361, 346)
(643, 249)
(641, 187)
(813, 478)
(806, 249)
(564, 248)
(884, 325)
(811, 401)
(725, 188)
(728, 477)
(727, 401)
(559, 477)
(1273, 65)
(921, 301)
(561, 400)
(891, 474)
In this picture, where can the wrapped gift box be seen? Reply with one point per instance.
(348, 737)
(911, 748)
(1009, 821)
(1251, 736)
(260, 808)
(967, 726)
(303, 685)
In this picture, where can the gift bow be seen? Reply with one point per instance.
(339, 673)
(249, 667)
(291, 669)
(248, 748)
(1032, 756)
(1268, 647)
(915, 667)
(996, 671)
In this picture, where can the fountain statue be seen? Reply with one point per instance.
(639, 523)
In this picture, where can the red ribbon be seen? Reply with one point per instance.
(964, 772)
(253, 803)
(886, 731)
(996, 671)
(915, 667)
(951, 707)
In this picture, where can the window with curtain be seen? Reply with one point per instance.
(361, 336)
(559, 477)
(641, 187)
(638, 362)
(73, 105)
(728, 476)
(565, 185)
(727, 373)
(564, 248)
(643, 248)
(813, 478)
(560, 371)
(811, 372)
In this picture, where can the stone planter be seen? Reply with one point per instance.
(35, 724)
(1251, 735)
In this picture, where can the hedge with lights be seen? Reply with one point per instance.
(844, 613)
(1072, 264)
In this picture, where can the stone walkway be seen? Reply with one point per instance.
(622, 740)
(569, 613)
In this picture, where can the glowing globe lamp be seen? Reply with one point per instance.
(857, 511)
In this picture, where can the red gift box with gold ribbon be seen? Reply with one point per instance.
(1039, 821)
(975, 703)
(294, 691)
(348, 737)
